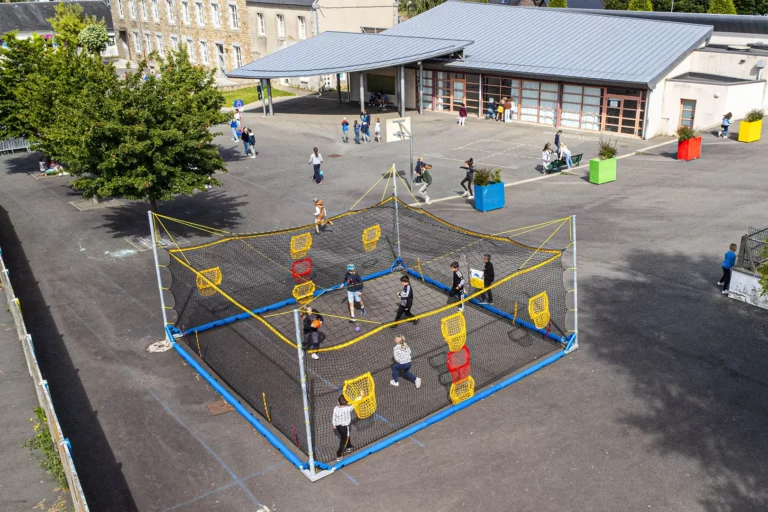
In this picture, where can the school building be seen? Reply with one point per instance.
(623, 73)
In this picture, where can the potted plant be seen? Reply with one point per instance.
(489, 189)
(688, 143)
(751, 126)
(603, 168)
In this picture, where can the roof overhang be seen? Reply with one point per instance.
(347, 52)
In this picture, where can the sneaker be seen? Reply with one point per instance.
(338, 459)
(719, 134)
(470, 197)
(490, 303)
(315, 356)
(394, 383)
(465, 194)
(349, 449)
(725, 292)
(362, 310)
(429, 201)
(253, 156)
(418, 382)
(482, 302)
(352, 320)
(720, 283)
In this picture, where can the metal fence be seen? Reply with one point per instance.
(14, 144)
(753, 251)
(43, 393)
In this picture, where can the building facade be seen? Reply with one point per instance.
(216, 33)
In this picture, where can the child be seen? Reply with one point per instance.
(365, 129)
(500, 111)
(377, 130)
(426, 181)
(545, 156)
(356, 127)
(239, 118)
(320, 215)
(418, 169)
(462, 115)
(312, 322)
(402, 355)
(406, 300)
(315, 159)
(252, 142)
(354, 284)
(728, 264)
(342, 417)
(457, 288)
(233, 125)
(725, 125)
(469, 165)
(565, 154)
(487, 296)
(344, 130)
(557, 140)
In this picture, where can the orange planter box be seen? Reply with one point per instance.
(689, 149)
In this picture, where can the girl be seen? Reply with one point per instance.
(365, 129)
(356, 127)
(545, 157)
(342, 417)
(252, 141)
(500, 110)
(377, 130)
(311, 322)
(462, 115)
(344, 130)
(315, 159)
(469, 165)
(725, 125)
(402, 355)
(320, 215)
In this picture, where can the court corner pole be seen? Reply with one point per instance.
(575, 341)
(397, 210)
(157, 271)
(303, 376)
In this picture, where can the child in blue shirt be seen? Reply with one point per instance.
(728, 264)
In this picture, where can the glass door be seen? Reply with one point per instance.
(622, 115)
(458, 91)
(427, 92)
(443, 91)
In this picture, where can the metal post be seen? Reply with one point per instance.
(421, 92)
(263, 96)
(480, 109)
(410, 180)
(397, 210)
(575, 288)
(362, 93)
(157, 269)
(338, 85)
(269, 95)
(402, 91)
(303, 377)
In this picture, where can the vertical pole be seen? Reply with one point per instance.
(269, 95)
(157, 269)
(480, 109)
(575, 288)
(421, 91)
(402, 91)
(362, 92)
(303, 376)
(410, 176)
(263, 96)
(338, 85)
(397, 209)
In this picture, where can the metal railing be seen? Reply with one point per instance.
(14, 144)
(43, 393)
(753, 251)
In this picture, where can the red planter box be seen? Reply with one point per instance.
(689, 149)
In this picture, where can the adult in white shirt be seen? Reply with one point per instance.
(315, 159)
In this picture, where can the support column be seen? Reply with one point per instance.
(269, 97)
(155, 240)
(362, 91)
(305, 399)
(480, 109)
(263, 97)
(338, 85)
(402, 90)
(421, 90)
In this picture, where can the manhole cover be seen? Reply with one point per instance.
(334, 156)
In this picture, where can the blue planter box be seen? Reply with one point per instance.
(489, 197)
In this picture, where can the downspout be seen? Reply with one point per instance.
(645, 114)
(315, 8)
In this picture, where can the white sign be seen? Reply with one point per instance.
(746, 288)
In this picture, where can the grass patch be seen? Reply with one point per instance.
(47, 453)
(249, 95)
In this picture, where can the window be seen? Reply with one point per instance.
(238, 55)
(233, 16)
(136, 41)
(216, 15)
(185, 13)
(155, 11)
(200, 14)
(262, 27)
(132, 8)
(120, 8)
(302, 28)
(148, 42)
(144, 10)
(191, 49)
(160, 45)
(687, 112)
(204, 52)
(171, 9)
(581, 107)
(174, 43)
(281, 26)
(221, 58)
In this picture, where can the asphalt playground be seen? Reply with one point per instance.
(663, 407)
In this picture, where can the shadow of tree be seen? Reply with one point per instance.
(697, 360)
(21, 162)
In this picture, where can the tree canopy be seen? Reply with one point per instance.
(640, 5)
(721, 7)
(559, 4)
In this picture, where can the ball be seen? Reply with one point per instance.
(357, 328)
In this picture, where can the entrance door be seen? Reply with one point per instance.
(221, 58)
(124, 48)
(622, 115)
(458, 91)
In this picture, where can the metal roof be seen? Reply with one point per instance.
(344, 52)
(581, 46)
(33, 16)
(284, 3)
(736, 23)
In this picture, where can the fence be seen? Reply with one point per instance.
(43, 393)
(753, 251)
(14, 144)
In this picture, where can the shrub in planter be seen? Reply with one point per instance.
(603, 168)
(688, 143)
(751, 126)
(489, 189)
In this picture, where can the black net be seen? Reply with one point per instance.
(233, 298)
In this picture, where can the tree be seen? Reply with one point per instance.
(560, 4)
(94, 38)
(721, 7)
(640, 5)
(616, 5)
(69, 22)
(412, 8)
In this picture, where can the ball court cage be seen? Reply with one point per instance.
(239, 301)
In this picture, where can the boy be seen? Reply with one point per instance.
(557, 139)
(457, 289)
(311, 322)
(728, 263)
(402, 356)
(344, 130)
(426, 181)
(406, 300)
(354, 284)
(342, 417)
(418, 169)
(320, 215)
(487, 296)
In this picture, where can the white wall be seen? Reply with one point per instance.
(738, 65)
(736, 38)
(653, 114)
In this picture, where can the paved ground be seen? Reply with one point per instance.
(663, 408)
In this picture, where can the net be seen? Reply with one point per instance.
(235, 299)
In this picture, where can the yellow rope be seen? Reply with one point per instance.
(542, 245)
(540, 225)
(369, 190)
(386, 185)
(170, 237)
(408, 189)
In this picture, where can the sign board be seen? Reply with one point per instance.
(239, 103)
(613, 103)
(745, 286)
(392, 130)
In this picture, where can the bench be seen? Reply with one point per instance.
(14, 144)
(559, 165)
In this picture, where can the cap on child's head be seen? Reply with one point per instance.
(455, 264)
(351, 266)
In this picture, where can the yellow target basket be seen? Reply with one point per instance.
(454, 329)
(206, 281)
(463, 389)
(360, 393)
(538, 310)
(300, 245)
(304, 292)
(371, 235)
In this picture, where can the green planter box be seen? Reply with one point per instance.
(602, 171)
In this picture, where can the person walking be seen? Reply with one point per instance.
(356, 128)
(315, 159)
(491, 112)
(725, 125)
(365, 129)
(377, 130)
(246, 140)
(728, 263)
(252, 142)
(239, 118)
(500, 110)
(233, 125)
(462, 115)
(426, 181)
(406, 300)
(546, 155)
(344, 130)
(311, 323)
(457, 287)
(418, 169)
(557, 140)
(488, 277)
(507, 110)
(565, 154)
(354, 285)
(466, 183)
(341, 420)
(402, 356)
(320, 215)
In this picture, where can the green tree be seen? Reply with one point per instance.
(560, 4)
(94, 38)
(69, 22)
(412, 8)
(616, 5)
(640, 5)
(721, 7)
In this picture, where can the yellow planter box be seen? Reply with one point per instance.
(750, 132)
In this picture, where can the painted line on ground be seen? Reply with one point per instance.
(350, 478)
